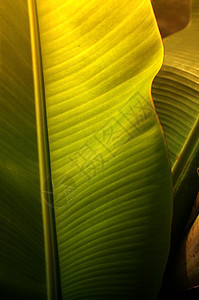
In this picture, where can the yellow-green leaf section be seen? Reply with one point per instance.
(176, 95)
(110, 169)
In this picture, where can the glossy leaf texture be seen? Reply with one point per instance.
(176, 96)
(109, 167)
(22, 260)
(110, 170)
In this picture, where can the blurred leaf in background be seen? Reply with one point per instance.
(172, 15)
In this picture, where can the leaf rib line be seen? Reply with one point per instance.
(50, 238)
(186, 153)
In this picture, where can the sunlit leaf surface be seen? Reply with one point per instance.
(111, 181)
(109, 163)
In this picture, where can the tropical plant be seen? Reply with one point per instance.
(86, 192)
(176, 96)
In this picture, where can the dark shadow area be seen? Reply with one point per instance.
(172, 15)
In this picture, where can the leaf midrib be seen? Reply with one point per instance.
(50, 238)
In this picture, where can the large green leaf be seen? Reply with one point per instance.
(176, 97)
(22, 244)
(22, 261)
(103, 165)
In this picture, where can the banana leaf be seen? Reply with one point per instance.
(22, 259)
(85, 176)
(175, 92)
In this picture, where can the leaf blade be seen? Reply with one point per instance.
(22, 253)
(88, 83)
(176, 96)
